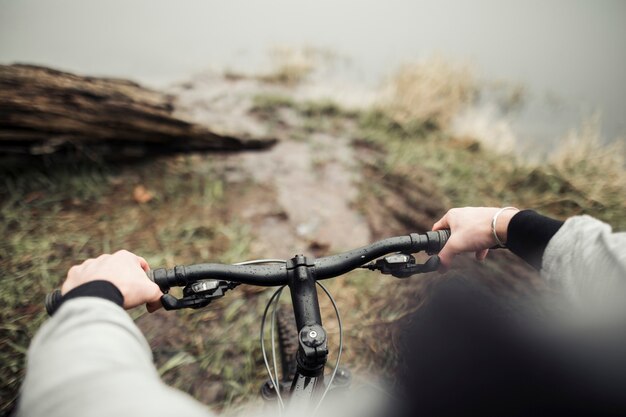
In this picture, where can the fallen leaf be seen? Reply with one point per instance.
(34, 196)
(141, 194)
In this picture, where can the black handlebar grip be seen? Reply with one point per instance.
(437, 240)
(444, 236)
(53, 301)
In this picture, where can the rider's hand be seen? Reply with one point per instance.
(470, 229)
(123, 269)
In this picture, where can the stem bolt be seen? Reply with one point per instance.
(312, 336)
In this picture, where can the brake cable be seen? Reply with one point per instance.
(274, 300)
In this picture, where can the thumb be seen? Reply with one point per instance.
(482, 254)
(441, 224)
(446, 256)
(449, 251)
(153, 306)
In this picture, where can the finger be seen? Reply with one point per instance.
(123, 253)
(65, 287)
(451, 249)
(87, 262)
(131, 257)
(153, 306)
(143, 263)
(442, 223)
(73, 271)
(446, 256)
(94, 263)
(482, 254)
(155, 294)
(91, 266)
(154, 301)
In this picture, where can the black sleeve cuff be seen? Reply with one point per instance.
(528, 235)
(101, 289)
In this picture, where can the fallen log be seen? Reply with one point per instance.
(43, 110)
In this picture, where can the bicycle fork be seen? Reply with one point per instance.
(308, 382)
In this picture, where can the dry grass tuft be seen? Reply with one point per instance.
(595, 172)
(292, 66)
(595, 169)
(431, 92)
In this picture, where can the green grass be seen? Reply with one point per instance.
(269, 104)
(55, 214)
(32, 214)
(470, 175)
(307, 117)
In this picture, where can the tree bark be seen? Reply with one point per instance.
(45, 111)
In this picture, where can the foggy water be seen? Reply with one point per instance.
(570, 55)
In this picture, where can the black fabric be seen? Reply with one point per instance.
(528, 235)
(468, 352)
(100, 288)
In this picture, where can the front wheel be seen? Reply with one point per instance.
(287, 345)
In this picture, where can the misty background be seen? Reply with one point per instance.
(567, 57)
(345, 122)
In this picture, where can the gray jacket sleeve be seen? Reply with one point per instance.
(91, 360)
(588, 262)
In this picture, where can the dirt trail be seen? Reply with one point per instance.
(304, 192)
(315, 188)
(302, 200)
(300, 197)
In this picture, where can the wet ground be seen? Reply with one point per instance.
(311, 193)
(303, 192)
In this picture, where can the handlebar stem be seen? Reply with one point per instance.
(313, 349)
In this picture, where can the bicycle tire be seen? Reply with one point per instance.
(287, 342)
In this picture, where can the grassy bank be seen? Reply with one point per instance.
(55, 213)
(177, 210)
(583, 177)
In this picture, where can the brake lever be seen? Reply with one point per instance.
(198, 294)
(402, 265)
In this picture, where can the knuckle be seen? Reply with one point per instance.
(123, 253)
(72, 271)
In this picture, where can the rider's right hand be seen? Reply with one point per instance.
(123, 269)
(470, 229)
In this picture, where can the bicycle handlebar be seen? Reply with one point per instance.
(276, 275)
(180, 276)
(324, 268)
(335, 265)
